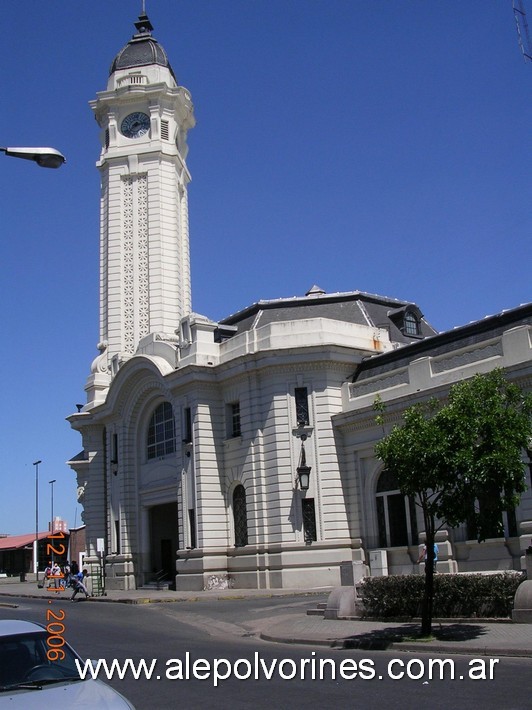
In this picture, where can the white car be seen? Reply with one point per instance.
(28, 679)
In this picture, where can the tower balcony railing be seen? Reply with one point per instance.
(132, 79)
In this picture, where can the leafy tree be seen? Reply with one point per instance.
(461, 461)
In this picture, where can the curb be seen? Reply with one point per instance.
(139, 600)
(223, 596)
(469, 651)
(405, 647)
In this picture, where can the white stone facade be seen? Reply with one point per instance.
(503, 341)
(193, 430)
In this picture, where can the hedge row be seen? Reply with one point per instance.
(455, 595)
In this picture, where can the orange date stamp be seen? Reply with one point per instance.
(55, 626)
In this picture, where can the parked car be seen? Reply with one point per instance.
(28, 679)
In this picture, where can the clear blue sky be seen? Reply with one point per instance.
(380, 145)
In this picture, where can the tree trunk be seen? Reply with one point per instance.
(428, 597)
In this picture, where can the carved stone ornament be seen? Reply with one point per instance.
(167, 338)
(101, 361)
(81, 493)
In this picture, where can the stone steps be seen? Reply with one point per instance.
(318, 611)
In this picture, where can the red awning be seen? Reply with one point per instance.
(15, 542)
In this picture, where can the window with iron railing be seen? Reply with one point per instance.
(308, 510)
(240, 516)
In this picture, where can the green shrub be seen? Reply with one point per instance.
(455, 595)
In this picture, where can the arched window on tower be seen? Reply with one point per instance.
(240, 516)
(396, 514)
(161, 432)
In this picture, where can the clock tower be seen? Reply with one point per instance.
(144, 116)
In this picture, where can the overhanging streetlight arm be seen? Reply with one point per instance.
(45, 157)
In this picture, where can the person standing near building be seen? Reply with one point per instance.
(47, 574)
(423, 555)
(55, 574)
(65, 582)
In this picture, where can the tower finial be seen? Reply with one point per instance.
(143, 25)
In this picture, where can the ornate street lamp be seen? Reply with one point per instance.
(303, 471)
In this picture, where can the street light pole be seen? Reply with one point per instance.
(36, 555)
(45, 157)
(52, 514)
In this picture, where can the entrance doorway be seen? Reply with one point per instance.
(164, 542)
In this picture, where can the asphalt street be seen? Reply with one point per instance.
(229, 630)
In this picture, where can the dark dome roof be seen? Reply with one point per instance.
(141, 50)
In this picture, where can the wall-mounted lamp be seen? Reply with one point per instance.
(303, 471)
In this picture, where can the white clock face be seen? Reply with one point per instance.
(135, 125)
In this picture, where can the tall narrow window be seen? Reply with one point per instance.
(511, 523)
(114, 451)
(505, 526)
(187, 428)
(240, 516)
(302, 410)
(192, 527)
(233, 419)
(396, 515)
(161, 432)
(117, 536)
(309, 520)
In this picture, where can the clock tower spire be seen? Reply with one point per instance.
(144, 116)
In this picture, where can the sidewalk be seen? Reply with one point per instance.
(477, 638)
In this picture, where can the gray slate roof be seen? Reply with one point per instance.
(352, 307)
(445, 342)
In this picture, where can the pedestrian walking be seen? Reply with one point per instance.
(79, 585)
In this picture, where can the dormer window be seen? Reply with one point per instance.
(410, 324)
(407, 319)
